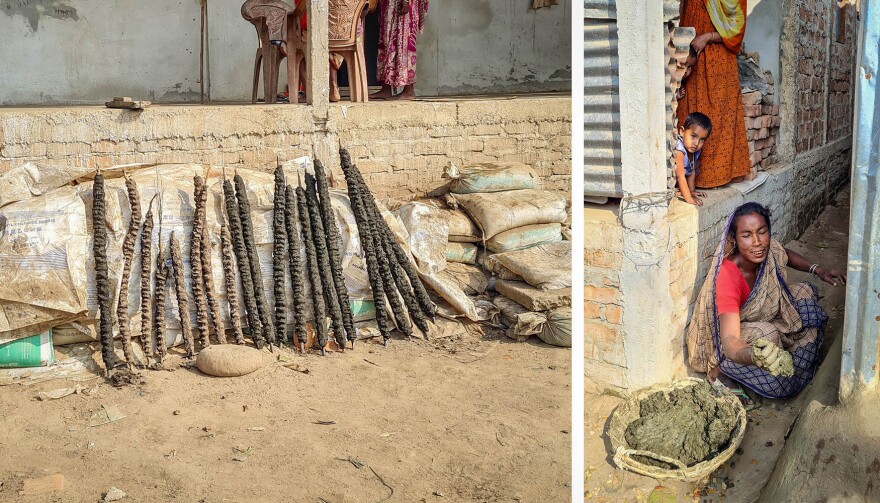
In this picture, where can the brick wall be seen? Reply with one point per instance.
(402, 148)
(840, 73)
(762, 125)
(603, 255)
(811, 50)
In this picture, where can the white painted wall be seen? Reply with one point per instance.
(85, 52)
(763, 31)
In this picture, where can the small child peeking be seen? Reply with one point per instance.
(691, 138)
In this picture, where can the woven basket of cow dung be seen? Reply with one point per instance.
(684, 430)
(229, 360)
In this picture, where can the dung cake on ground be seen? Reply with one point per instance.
(688, 424)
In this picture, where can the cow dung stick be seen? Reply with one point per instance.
(244, 268)
(228, 259)
(247, 228)
(318, 306)
(428, 307)
(146, 308)
(330, 296)
(279, 254)
(386, 267)
(368, 249)
(406, 291)
(205, 255)
(334, 246)
(297, 275)
(195, 262)
(99, 246)
(182, 299)
(128, 242)
(159, 304)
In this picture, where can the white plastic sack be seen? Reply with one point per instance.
(500, 211)
(491, 177)
(525, 237)
(464, 253)
(547, 267)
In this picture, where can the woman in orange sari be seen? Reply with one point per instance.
(713, 87)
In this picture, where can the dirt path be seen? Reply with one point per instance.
(742, 478)
(489, 422)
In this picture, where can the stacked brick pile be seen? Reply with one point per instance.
(762, 125)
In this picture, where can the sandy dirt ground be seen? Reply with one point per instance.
(742, 478)
(475, 418)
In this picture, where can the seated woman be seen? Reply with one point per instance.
(749, 324)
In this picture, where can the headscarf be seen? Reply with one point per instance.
(729, 19)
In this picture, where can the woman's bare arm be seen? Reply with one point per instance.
(799, 262)
(733, 347)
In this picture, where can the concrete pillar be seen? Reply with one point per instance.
(645, 274)
(318, 60)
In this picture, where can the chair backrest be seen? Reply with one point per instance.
(344, 17)
(268, 13)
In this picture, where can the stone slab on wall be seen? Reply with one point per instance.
(401, 148)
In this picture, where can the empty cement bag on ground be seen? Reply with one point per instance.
(500, 211)
(547, 267)
(553, 327)
(525, 237)
(557, 330)
(491, 177)
(465, 253)
(470, 278)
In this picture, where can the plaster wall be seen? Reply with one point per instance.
(82, 52)
(763, 31)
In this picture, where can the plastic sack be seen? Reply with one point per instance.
(471, 279)
(497, 212)
(525, 237)
(491, 177)
(547, 267)
(553, 327)
(465, 253)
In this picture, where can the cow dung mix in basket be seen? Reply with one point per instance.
(688, 424)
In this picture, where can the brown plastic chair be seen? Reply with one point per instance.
(268, 17)
(346, 37)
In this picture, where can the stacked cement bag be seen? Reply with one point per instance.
(522, 230)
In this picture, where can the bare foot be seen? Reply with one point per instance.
(408, 93)
(386, 93)
(334, 86)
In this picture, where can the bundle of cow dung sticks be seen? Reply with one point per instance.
(303, 219)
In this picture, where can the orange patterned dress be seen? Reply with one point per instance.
(713, 88)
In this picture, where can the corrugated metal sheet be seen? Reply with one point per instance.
(600, 9)
(602, 168)
(862, 321)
